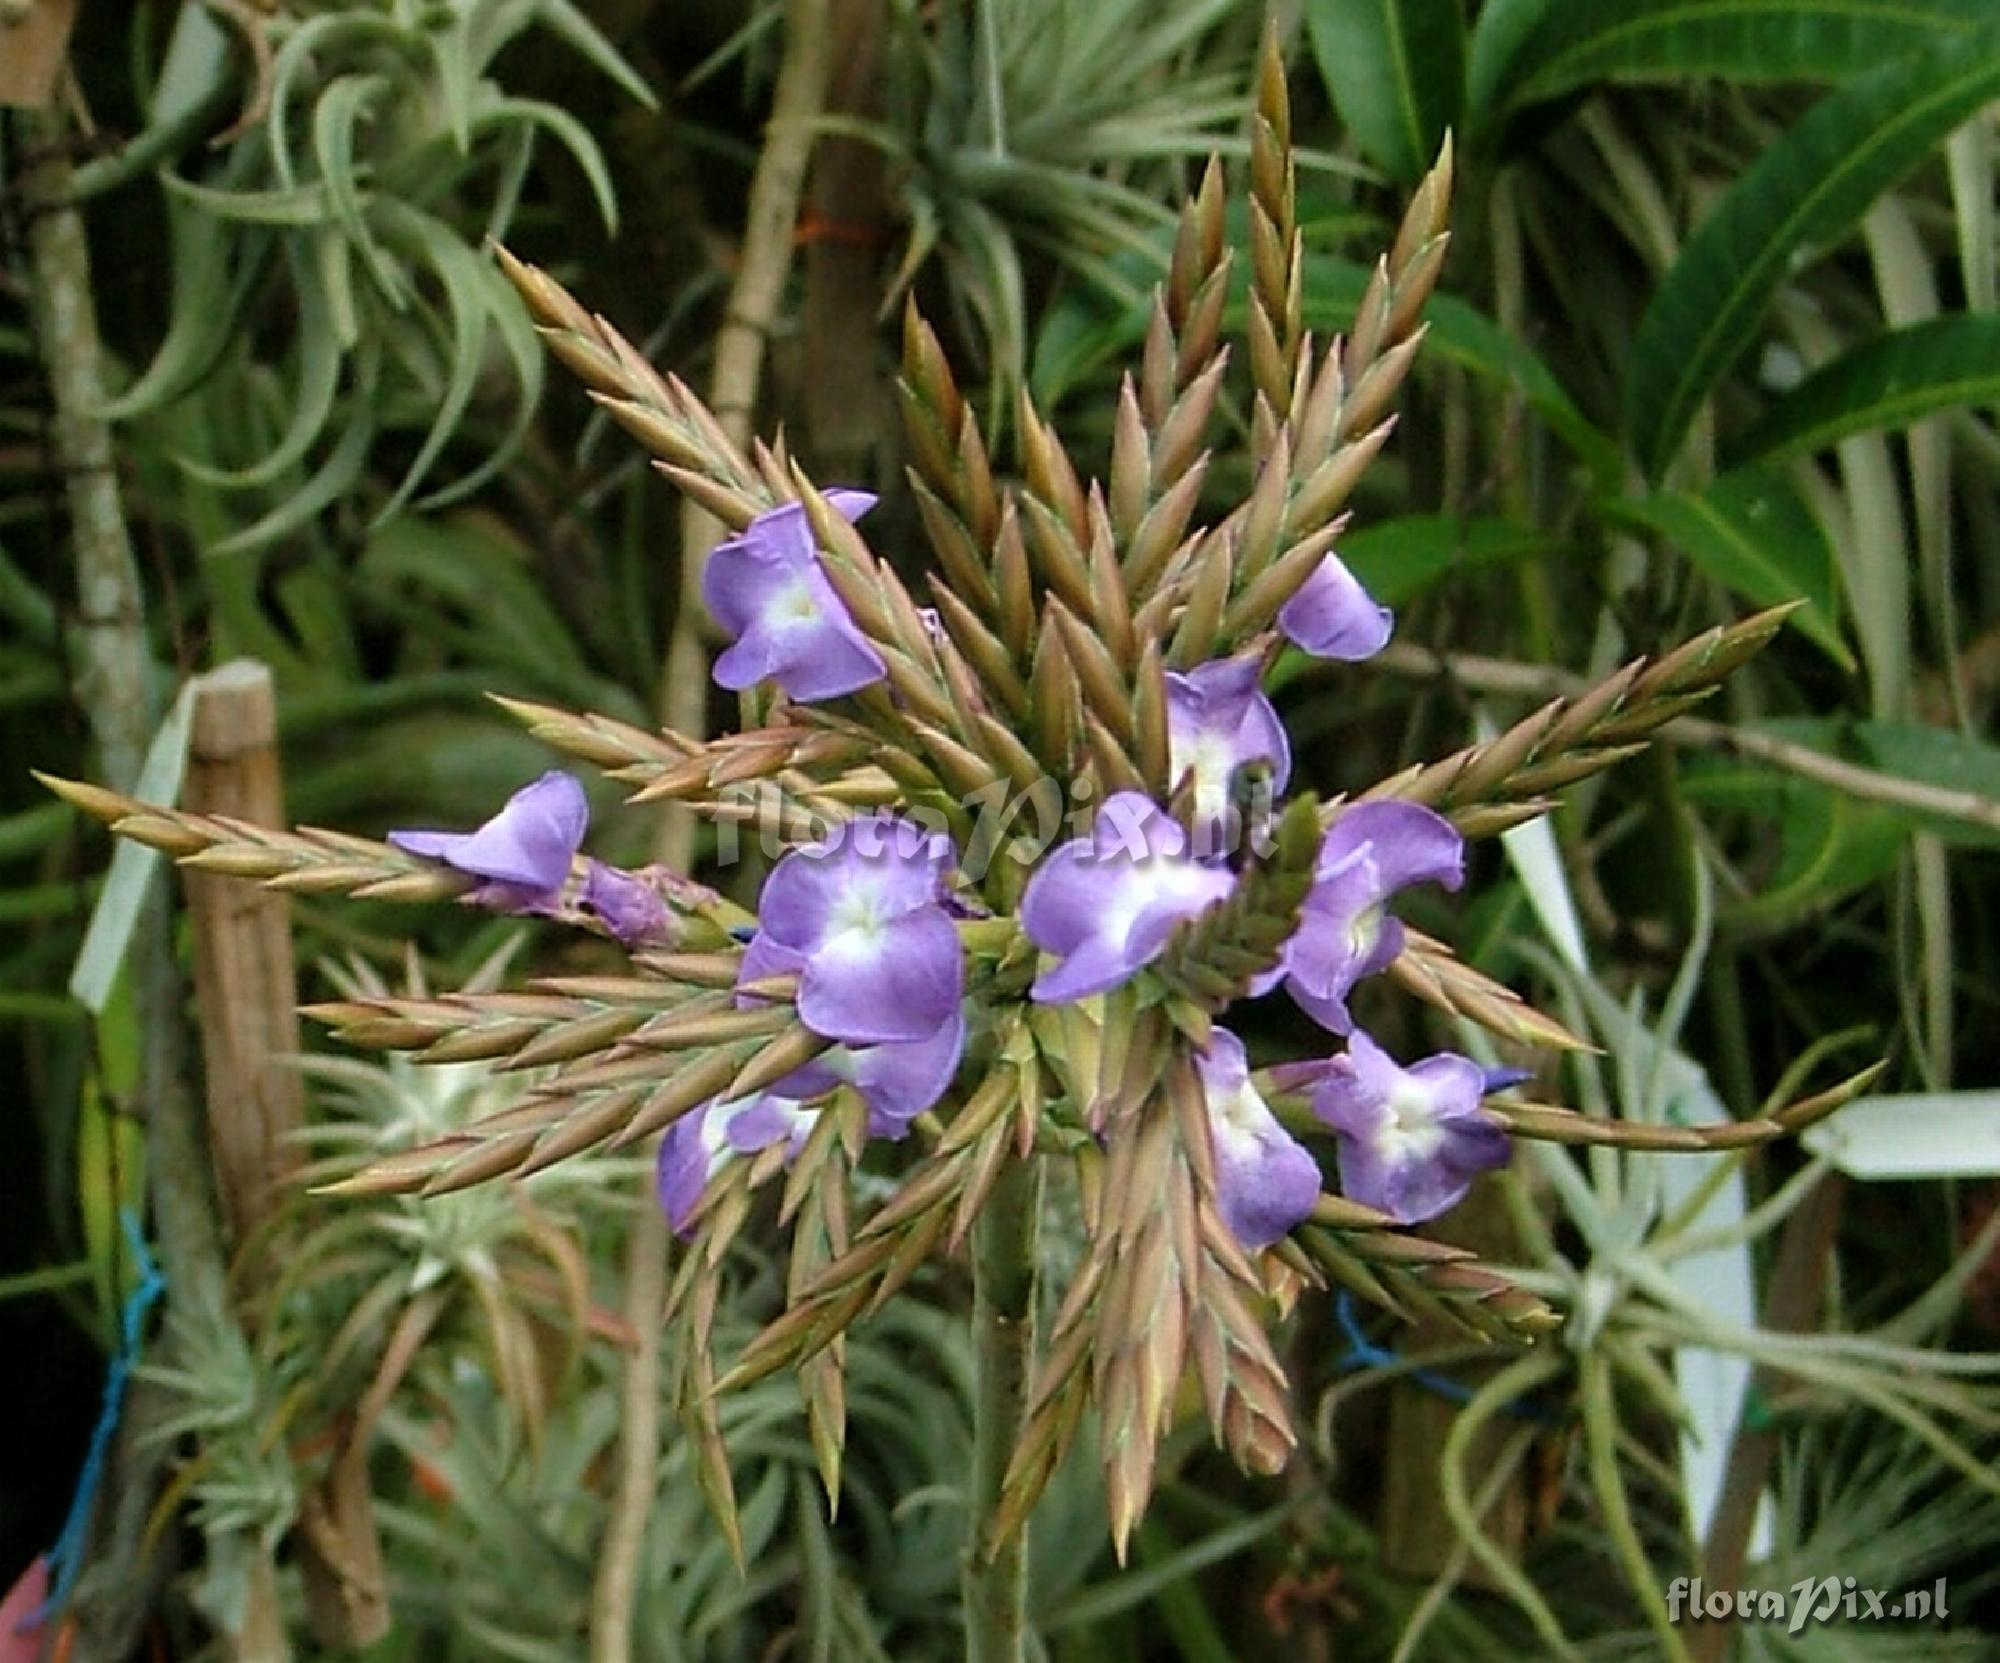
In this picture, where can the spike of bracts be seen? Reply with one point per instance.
(1029, 850)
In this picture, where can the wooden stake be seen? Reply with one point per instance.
(34, 34)
(246, 994)
(244, 981)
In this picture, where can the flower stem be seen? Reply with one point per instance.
(1004, 1258)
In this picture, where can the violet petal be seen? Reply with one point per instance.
(1265, 1179)
(1331, 615)
(528, 845)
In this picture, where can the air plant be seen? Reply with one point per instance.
(931, 960)
(377, 147)
(343, 1324)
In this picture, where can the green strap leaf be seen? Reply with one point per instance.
(1888, 381)
(576, 30)
(123, 898)
(1936, 756)
(426, 241)
(1396, 72)
(334, 479)
(1808, 190)
(311, 394)
(1750, 532)
(1397, 560)
(1584, 43)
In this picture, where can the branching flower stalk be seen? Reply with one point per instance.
(1033, 835)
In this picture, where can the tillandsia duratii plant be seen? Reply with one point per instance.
(1032, 842)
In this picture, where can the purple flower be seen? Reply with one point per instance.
(524, 852)
(1218, 719)
(766, 588)
(1411, 1139)
(699, 1145)
(630, 908)
(897, 1081)
(1106, 904)
(1331, 616)
(1373, 850)
(1265, 1181)
(861, 919)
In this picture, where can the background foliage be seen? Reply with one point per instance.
(1717, 330)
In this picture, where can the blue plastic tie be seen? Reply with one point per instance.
(66, 1557)
(1364, 1353)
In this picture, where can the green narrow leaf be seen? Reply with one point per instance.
(341, 469)
(311, 394)
(315, 605)
(295, 71)
(338, 112)
(289, 205)
(1806, 191)
(1396, 72)
(29, 831)
(1583, 43)
(1140, 1587)
(577, 32)
(116, 914)
(195, 67)
(1750, 532)
(523, 349)
(573, 136)
(1889, 381)
(455, 73)
(1399, 559)
(461, 277)
(457, 569)
(205, 305)
(1827, 844)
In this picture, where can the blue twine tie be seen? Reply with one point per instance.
(66, 1557)
(1364, 1353)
